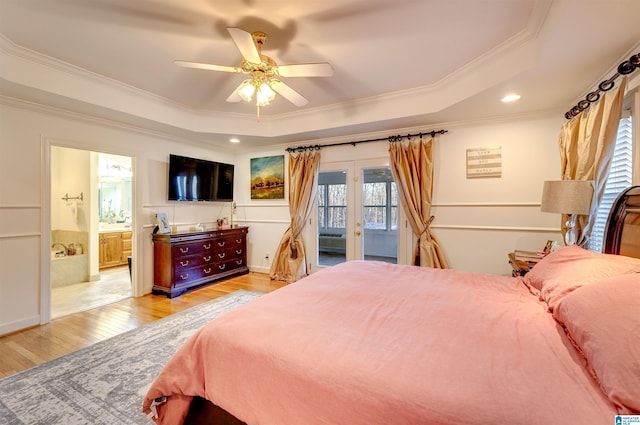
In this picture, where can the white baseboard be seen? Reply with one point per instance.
(17, 325)
(259, 269)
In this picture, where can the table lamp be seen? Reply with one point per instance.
(571, 197)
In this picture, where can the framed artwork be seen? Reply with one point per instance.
(484, 162)
(267, 177)
(163, 223)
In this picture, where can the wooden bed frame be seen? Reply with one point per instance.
(622, 237)
(622, 233)
(203, 411)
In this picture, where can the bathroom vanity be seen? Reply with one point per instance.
(114, 248)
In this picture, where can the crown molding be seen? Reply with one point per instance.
(57, 112)
(26, 67)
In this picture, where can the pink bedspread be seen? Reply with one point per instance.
(374, 343)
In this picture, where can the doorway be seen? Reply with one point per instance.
(91, 200)
(357, 213)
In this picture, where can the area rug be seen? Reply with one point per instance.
(105, 383)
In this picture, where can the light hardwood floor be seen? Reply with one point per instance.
(31, 347)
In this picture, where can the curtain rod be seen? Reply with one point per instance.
(626, 67)
(390, 139)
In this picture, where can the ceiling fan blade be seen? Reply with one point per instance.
(246, 45)
(235, 95)
(288, 93)
(208, 66)
(305, 70)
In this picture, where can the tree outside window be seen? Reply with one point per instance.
(379, 202)
(380, 205)
(332, 206)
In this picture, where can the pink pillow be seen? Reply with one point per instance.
(603, 321)
(571, 267)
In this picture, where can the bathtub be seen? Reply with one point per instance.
(69, 269)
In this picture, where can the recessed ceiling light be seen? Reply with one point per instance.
(511, 98)
(234, 140)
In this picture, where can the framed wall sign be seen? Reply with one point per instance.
(484, 162)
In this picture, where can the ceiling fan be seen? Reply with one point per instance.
(264, 72)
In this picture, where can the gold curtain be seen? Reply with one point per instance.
(289, 260)
(412, 166)
(587, 142)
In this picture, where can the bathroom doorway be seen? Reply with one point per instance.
(91, 229)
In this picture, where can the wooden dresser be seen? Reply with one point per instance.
(184, 260)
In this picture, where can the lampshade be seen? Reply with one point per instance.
(567, 197)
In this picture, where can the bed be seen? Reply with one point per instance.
(377, 343)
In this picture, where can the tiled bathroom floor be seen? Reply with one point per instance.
(114, 285)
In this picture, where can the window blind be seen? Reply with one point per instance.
(619, 178)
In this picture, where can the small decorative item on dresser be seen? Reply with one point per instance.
(520, 266)
(163, 223)
(530, 256)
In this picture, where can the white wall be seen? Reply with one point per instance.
(27, 134)
(20, 224)
(267, 218)
(70, 177)
(477, 221)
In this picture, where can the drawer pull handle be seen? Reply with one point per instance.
(238, 251)
(221, 244)
(238, 262)
(184, 276)
(207, 246)
(184, 263)
(184, 250)
(222, 266)
(207, 271)
(238, 241)
(222, 254)
(207, 258)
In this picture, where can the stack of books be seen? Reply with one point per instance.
(530, 256)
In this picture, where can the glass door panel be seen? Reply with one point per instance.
(379, 216)
(357, 214)
(332, 218)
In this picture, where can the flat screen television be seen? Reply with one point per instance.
(192, 179)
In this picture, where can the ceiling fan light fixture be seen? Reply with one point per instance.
(263, 72)
(265, 95)
(246, 90)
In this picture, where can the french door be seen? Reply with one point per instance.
(356, 214)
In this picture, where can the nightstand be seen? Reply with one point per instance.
(520, 268)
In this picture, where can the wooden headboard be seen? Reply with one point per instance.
(622, 234)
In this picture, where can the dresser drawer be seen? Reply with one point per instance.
(190, 248)
(188, 262)
(231, 253)
(229, 242)
(186, 276)
(230, 265)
